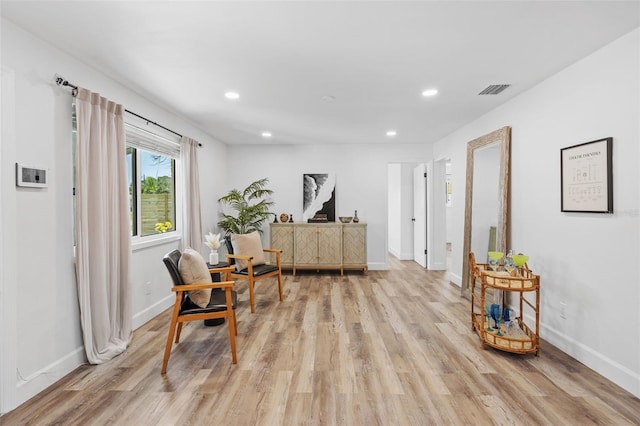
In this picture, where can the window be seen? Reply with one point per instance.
(151, 169)
(152, 176)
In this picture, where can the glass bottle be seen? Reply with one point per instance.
(355, 217)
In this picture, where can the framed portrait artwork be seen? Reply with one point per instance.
(586, 177)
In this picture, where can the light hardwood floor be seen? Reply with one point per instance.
(386, 348)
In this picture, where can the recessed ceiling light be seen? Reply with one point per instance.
(430, 92)
(391, 133)
(266, 134)
(231, 95)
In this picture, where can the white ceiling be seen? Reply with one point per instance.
(286, 58)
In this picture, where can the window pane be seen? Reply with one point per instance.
(131, 163)
(157, 184)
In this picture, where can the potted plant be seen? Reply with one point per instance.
(251, 206)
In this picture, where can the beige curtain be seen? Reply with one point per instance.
(192, 221)
(102, 227)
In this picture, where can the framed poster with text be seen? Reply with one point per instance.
(586, 177)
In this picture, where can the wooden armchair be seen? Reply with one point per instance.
(253, 272)
(221, 303)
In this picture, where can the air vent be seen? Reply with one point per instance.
(494, 89)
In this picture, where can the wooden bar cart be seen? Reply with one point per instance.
(520, 338)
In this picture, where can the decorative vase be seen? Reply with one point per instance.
(355, 217)
(213, 258)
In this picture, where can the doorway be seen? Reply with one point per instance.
(417, 213)
(400, 210)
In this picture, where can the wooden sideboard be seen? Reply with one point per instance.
(321, 245)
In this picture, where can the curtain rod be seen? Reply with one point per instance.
(61, 81)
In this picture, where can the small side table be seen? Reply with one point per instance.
(216, 278)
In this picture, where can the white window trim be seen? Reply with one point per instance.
(164, 146)
(140, 138)
(139, 243)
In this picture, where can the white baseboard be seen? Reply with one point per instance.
(377, 266)
(456, 279)
(618, 374)
(401, 256)
(28, 387)
(152, 311)
(437, 266)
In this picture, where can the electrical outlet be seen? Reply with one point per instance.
(563, 310)
(147, 288)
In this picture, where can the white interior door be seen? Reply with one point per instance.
(437, 215)
(420, 215)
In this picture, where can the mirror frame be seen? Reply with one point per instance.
(503, 137)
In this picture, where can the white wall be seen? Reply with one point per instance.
(47, 332)
(394, 209)
(588, 261)
(8, 298)
(361, 180)
(448, 212)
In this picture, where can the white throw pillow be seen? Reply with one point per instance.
(194, 270)
(248, 245)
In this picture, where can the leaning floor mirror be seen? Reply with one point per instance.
(486, 218)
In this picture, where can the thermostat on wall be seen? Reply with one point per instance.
(33, 177)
